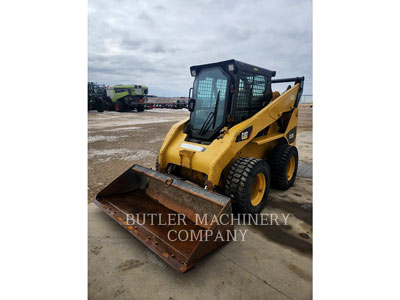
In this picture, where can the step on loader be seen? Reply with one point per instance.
(238, 142)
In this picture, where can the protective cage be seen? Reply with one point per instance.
(253, 93)
(249, 91)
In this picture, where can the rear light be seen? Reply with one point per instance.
(141, 100)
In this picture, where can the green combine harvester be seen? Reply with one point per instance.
(126, 97)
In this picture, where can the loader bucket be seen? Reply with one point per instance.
(173, 218)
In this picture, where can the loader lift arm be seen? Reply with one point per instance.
(296, 80)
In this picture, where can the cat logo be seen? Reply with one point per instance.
(244, 135)
(291, 135)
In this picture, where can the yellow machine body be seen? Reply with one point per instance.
(207, 163)
(214, 171)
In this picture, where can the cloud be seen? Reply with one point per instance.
(155, 42)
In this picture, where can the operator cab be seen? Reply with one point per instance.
(224, 94)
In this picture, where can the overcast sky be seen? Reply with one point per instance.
(155, 42)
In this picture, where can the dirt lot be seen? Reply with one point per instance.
(275, 262)
(119, 140)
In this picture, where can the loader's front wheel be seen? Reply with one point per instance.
(283, 162)
(247, 184)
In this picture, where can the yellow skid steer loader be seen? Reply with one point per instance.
(238, 142)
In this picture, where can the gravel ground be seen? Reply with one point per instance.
(275, 262)
(116, 141)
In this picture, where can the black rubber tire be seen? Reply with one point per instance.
(120, 106)
(239, 181)
(140, 108)
(278, 162)
(100, 105)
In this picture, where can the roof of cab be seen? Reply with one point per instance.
(238, 66)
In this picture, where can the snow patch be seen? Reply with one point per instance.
(127, 123)
(121, 154)
(122, 129)
(156, 140)
(109, 138)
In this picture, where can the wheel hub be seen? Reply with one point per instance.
(290, 168)
(258, 189)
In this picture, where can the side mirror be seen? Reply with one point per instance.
(191, 104)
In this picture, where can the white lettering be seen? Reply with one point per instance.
(286, 219)
(169, 238)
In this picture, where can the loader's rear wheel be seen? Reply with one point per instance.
(248, 184)
(283, 162)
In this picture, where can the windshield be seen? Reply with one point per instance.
(209, 85)
(122, 90)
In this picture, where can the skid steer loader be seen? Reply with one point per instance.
(238, 142)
